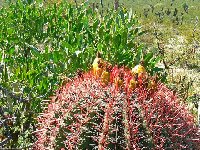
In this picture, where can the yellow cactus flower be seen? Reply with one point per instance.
(98, 72)
(140, 72)
(138, 69)
(132, 84)
(97, 65)
(105, 77)
(118, 82)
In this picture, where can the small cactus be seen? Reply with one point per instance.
(87, 114)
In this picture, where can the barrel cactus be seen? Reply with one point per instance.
(87, 113)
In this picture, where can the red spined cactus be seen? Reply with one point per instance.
(88, 114)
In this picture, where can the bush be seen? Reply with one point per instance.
(88, 114)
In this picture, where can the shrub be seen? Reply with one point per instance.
(88, 114)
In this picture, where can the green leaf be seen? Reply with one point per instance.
(95, 25)
(11, 50)
(85, 22)
(138, 55)
(122, 16)
(117, 40)
(34, 50)
(30, 72)
(124, 37)
(107, 38)
(155, 61)
(148, 57)
(78, 27)
(108, 24)
(100, 47)
(10, 31)
(56, 56)
(31, 82)
(17, 71)
(101, 31)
